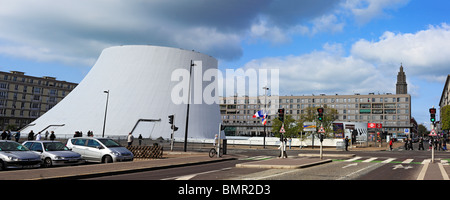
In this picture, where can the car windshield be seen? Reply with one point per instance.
(109, 143)
(12, 146)
(55, 146)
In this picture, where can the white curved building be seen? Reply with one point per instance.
(138, 79)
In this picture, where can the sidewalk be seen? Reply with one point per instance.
(434, 171)
(172, 159)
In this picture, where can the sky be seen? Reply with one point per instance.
(319, 46)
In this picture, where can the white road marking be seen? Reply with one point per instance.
(388, 160)
(353, 159)
(190, 176)
(369, 160)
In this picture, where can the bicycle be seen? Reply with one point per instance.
(213, 152)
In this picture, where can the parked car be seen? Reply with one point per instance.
(15, 155)
(54, 153)
(102, 150)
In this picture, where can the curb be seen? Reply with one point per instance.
(326, 155)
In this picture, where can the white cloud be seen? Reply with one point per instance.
(424, 52)
(325, 72)
(366, 10)
(83, 28)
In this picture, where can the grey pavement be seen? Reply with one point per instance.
(92, 170)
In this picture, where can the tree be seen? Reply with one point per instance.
(329, 115)
(422, 130)
(290, 126)
(445, 117)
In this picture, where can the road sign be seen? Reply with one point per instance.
(321, 130)
(282, 130)
(309, 126)
(406, 130)
(433, 133)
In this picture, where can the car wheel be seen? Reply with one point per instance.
(2, 165)
(107, 159)
(47, 162)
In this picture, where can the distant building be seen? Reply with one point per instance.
(24, 98)
(445, 93)
(393, 111)
(401, 86)
(445, 96)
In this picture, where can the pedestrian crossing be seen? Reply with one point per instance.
(258, 158)
(367, 160)
(393, 160)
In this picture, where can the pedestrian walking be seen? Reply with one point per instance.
(430, 143)
(17, 136)
(52, 136)
(140, 139)
(421, 143)
(38, 136)
(444, 145)
(31, 135)
(406, 144)
(346, 140)
(130, 139)
(46, 135)
(8, 137)
(391, 142)
(410, 144)
(4, 135)
(283, 149)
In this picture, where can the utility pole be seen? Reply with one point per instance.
(188, 103)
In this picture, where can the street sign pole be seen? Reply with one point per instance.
(282, 146)
(432, 134)
(321, 132)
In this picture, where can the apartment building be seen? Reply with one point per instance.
(393, 111)
(24, 98)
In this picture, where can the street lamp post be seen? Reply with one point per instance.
(106, 110)
(188, 103)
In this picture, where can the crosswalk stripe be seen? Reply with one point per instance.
(369, 160)
(388, 160)
(353, 159)
(407, 161)
(426, 161)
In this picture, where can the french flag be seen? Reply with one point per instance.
(264, 120)
(259, 114)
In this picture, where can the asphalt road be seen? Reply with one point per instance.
(375, 165)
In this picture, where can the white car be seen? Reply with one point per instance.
(15, 155)
(54, 153)
(102, 150)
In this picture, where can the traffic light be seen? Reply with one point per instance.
(320, 112)
(433, 115)
(171, 119)
(281, 114)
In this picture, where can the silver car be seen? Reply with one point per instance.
(54, 153)
(15, 155)
(102, 150)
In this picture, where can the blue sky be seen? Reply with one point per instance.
(361, 42)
